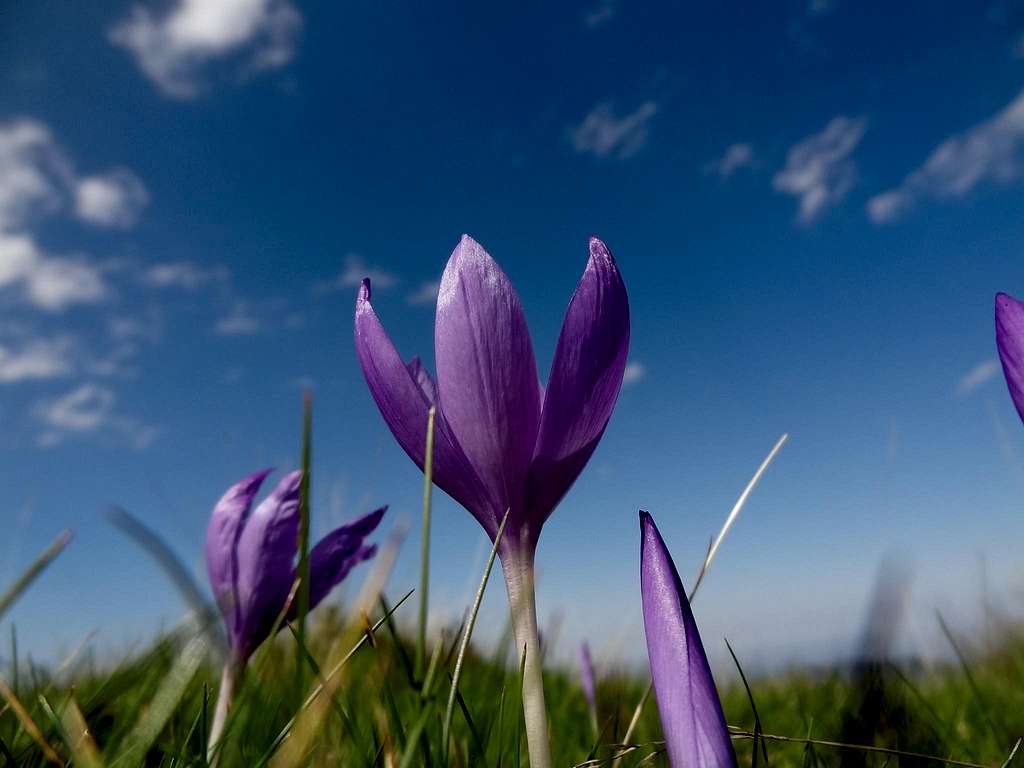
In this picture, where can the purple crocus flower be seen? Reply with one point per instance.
(251, 563)
(587, 682)
(501, 441)
(691, 714)
(1010, 342)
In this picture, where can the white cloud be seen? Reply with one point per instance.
(819, 170)
(599, 14)
(175, 49)
(978, 376)
(36, 359)
(83, 409)
(33, 171)
(182, 274)
(992, 150)
(112, 199)
(424, 295)
(603, 134)
(48, 282)
(354, 271)
(736, 156)
(635, 372)
(240, 322)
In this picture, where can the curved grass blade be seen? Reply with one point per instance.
(32, 572)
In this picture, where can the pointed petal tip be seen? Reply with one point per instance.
(251, 483)
(1005, 302)
(364, 290)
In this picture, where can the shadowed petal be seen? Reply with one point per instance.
(1010, 342)
(691, 714)
(266, 558)
(221, 539)
(339, 552)
(486, 373)
(586, 375)
(403, 394)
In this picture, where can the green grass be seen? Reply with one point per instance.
(154, 708)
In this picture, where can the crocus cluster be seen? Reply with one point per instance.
(502, 442)
(251, 563)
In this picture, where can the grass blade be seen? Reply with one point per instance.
(467, 633)
(428, 485)
(302, 598)
(32, 572)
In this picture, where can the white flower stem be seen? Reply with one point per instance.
(229, 682)
(518, 569)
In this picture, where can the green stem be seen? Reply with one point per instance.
(428, 484)
(519, 580)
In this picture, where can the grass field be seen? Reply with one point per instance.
(154, 708)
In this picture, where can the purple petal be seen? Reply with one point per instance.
(403, 394)
(587, 677)
(691, 714)
(1010, 342)
(486, 374)
(586, 376)
(266, 561)
(339, 552)
(222, 534)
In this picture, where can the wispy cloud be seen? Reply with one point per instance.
(36, 359)
(736, 156)
(604, 134)
(239, 322)
(352, 274)
(34, 173)
(425, 294)
(176, 48)
(819, 170)
(992, 150)
(599, 14)
(980, 375)
(112, 199)
(48, 282)
(183, 274)
(86, 409)
(635, 372)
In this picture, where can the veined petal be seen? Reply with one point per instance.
(586, 375)
(1010, 342)
(691, 714)
(222, 534)
(266, 561)
(486, 373)
(339, 552)
(404, 394)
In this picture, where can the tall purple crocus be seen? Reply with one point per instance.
(251, 563)
(503, 442)
(691, 714)
(1010, 343)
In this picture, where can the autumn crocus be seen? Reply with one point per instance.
(691, 714)
(251, 563)
(502, 442)
(587, 683)
(1010, 343)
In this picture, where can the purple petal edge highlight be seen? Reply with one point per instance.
(1010, 343)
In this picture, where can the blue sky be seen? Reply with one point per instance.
(812, 204)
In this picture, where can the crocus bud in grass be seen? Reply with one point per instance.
(501, 441)
(251, 563)
(691, 714)
(587, 682)
(1010, 343)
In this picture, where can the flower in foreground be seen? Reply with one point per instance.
(691, 713)
(250, 559)
(501, 441)
(1010, 343)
